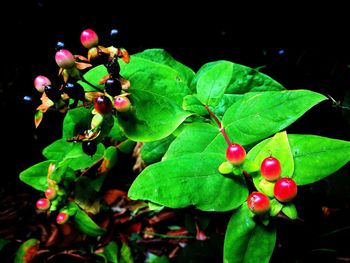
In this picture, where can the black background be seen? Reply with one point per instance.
(292, 52)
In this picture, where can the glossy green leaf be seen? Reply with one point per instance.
(245, 79)
(77, 159)
(36, 175)
(3, 243)
(85, 224)
(156, 94)
(290, 210)
(317, 157)
(247, 241)
(259, 115)
(76, 121)
(192, 103)
(110, 158)
(57, 149)
(92, 78)
(194, 138)
(153, 258)
(226, 101)
(161, 56)
(191, 179)
(116, 132)
(153, 151)
(212, 81)
(27, 250)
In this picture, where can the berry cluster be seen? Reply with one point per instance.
(50, 202)
(272, 185)
(112, 98)
(283, 189)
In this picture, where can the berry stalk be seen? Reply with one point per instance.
(221, 129)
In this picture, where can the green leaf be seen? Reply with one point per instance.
(163, 57)
(77, 159)
(57, 149)
(27, 251)
(156, 92)
(36, 175)
(317, 157)
(247, 241)
(194, 138)
(259, 115)
(86, 196)
(226, 101)
(3, 243)
(110, 158)
(192, 179)
(76, 121)
(290, 210)
(116, 132)
(152, 152)
(245, 79)
(93, 77)
(85, 224)
(212, 81)
(191, 103)
(125, 254)
(111, 252)
(153, 258)
(276, 207)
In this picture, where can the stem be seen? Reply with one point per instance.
(221, 129)
(92, 85)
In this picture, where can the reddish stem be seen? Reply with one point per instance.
(222, 130)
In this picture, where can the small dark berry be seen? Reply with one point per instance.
(53, 93)
(113, 87)
(89, 147)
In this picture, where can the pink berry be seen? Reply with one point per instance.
(43, 204)
(89, 38)
(122, 103)
(50, 193)
(285, 189)
(235, 154)
(64, 59)
(40, 82)
(270, 168)
(258, 203)
(62, 218)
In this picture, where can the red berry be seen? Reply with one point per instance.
(40, 82)
(122, 103)
(270, 168)
(64, 59)
(285, 189)
(43, 204)
(103, 104)
(62, 218)
(50, 193)
(258, 203)
(89, 38)
(235, 154)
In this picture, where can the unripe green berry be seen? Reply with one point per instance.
(225, 168)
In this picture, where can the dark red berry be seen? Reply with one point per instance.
(258, 203)
(43, 204)
(235, 153)
(285, 189)
(50, 193)
(53, 93)
(89, 147)
(62, 218)
(113, 87)
(122, 103)
(270, 168)
(103, 104)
